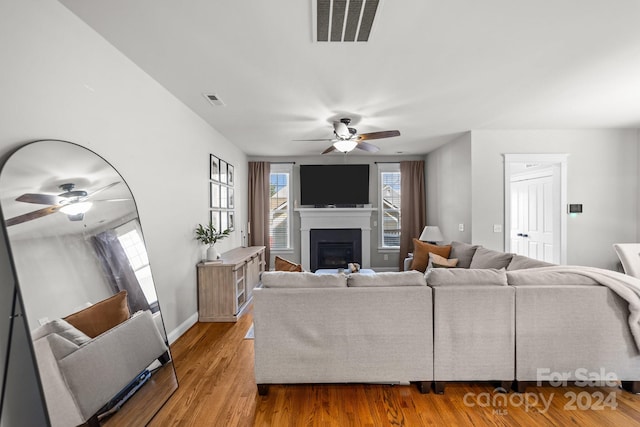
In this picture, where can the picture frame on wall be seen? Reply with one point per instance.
(224, 221)
(223, 171)
(215, 219)
(231, 201)
(232, 220)
(215, 195)
(230, 175)
(214, 168)
(224, 201)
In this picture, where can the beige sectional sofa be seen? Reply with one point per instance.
(506, 317)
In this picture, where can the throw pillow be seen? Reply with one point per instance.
(421, 251)
(101, 316)
(520, 262)
(437, 261)
(487, 258)
(464, 252)
(64, 329)
(282, 264)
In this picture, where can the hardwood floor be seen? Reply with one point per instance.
(217, 388)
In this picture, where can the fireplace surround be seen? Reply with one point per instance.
(335, 218)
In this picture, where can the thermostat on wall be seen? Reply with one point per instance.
(574, 208)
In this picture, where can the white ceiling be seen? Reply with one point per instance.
(431, 69)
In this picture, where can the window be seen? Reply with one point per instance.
(280, 207)
(390, 196)
(130, 239)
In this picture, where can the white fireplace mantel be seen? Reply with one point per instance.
(327, 218)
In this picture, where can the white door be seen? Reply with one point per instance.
(533, 223)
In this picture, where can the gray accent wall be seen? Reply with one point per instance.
(448, 174)
(602, 175)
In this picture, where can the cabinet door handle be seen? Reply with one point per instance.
(525, 235)
(520, 234)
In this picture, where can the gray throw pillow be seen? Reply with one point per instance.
(64, 329)
(487, 258)
(466, 277)
(519, 262)
(464, 252)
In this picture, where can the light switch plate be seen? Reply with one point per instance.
(460, 227)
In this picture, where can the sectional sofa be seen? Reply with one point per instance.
(500, 317)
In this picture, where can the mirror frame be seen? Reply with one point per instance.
(165, 360)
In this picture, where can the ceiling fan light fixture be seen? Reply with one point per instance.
(345, 145)
(76, 208)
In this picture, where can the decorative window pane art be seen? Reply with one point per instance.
(221, 194)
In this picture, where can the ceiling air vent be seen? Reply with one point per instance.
(344, 20)
(213, 99)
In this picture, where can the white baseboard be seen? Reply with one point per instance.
(182, 328)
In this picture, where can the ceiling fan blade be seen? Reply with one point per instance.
(106, 187)
(378, 135)
(367, 147)
(329, 150)
(31, 215)
(325, 139)
(39, 199)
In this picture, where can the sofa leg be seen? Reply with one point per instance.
(424, 386)
(164, 358)
(521, 386)
(263, 389)
(438, 387)
(506, 386)
(631, 386)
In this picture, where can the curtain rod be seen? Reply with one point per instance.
(384, 162)
(283, 163)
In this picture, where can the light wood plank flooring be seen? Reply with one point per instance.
(217, 388)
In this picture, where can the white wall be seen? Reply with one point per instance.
(602, 175)
(59, 79)
(448, 174)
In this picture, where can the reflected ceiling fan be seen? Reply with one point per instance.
(346, 138)
(74, 203)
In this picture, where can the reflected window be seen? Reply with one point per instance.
(131, 241)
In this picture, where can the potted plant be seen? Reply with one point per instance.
(209, 236)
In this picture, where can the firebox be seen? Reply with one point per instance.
(335, 248)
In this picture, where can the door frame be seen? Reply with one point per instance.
(548, 159)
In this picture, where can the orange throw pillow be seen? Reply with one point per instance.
(286, 265)
(421, 251)
(101, 316)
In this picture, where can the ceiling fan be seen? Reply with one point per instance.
(347, 139)
(74, 203)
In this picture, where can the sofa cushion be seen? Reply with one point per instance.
(421, 251)
(389, 278)
(464, 252)
(519, 262)
(437, 261)
(60, 346)
(62, 328)
(537, 276)
(282, 264)
(487, 258)
(305, 279)
(101, 316)
(466, 277)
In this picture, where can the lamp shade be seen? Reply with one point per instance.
(431, 233)
(76, 208)
(345, 145)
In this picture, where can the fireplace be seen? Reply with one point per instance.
(335, 248)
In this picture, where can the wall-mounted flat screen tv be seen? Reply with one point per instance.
(340, 185)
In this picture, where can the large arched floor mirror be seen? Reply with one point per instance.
(84, 280)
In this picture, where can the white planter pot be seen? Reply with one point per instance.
(212, 253)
